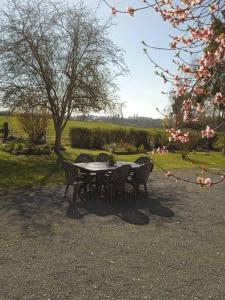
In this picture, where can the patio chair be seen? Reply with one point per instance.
(72, 178)
(140, 177)
(102, 157)
(90, 177)
(144, 160)
(115, 182)
(83, 157)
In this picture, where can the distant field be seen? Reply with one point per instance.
(18, 131)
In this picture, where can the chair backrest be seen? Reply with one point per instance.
(142, 173)
(102, 157)
(144, 160)
(83, 157)
(71, 172)
(120, 176)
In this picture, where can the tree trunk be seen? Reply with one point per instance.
(58, 135)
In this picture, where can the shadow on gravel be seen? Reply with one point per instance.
(32, 210)
(36, 210)
(124, 207)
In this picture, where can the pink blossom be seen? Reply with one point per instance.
(201, 33)
(197, 90)
(186, 110)
(208, 133)
(130, 11)
(168, 173)
(173, 45)
(217, 99)
(200, 108)
(208, 181)
(204, 181)
(185, 69)
(162, 150)
(200, 180)
(213, 7)
(114, 10)
(177, 136)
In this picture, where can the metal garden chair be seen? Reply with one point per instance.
(83, 157)
(72, 178)
(140, 177)
(116, 181)
(102, 157)
(143, 160)
(86, 158)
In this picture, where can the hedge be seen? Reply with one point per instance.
(97, 138)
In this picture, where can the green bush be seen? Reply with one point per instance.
(17, 148)
(97, 138)
(101, 138)
(218, 142)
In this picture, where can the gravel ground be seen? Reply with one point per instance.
(169, 245)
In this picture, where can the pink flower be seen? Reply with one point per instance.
(186, 109)
(177, 136)
(197, 90)
(204, 181)
(168, 173)
(162, 150)
(114, 10)
(217, 99)
(208, 181)
(200, 180)
(130, 11)
(208, 133)
(173, 45)
(200, 108)
(185, 69)
(213, 7)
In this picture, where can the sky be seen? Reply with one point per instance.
(141, 89)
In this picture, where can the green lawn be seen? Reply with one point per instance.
(33, 171)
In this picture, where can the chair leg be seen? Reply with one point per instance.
(135, 191)
(111, 194)
(67, 186)
(76, 188)
(146, 189)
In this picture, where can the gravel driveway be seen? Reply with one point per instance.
(169, 245)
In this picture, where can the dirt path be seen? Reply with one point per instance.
(167, 246)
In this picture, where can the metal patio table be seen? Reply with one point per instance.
(101, 168)
(104, 167)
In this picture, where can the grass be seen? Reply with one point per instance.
(33, 171)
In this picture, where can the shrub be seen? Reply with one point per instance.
(97, 138)
(34, 121)
(218, 142)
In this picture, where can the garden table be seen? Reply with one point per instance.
(103, 167)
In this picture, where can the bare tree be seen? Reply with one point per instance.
(60, 55)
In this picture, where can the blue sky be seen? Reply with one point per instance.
(141, 89)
